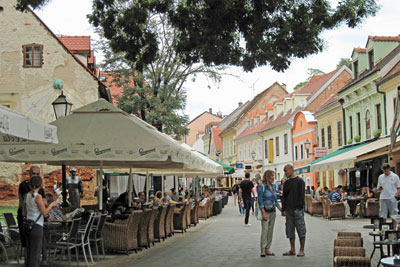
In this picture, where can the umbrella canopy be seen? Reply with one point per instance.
(227, 168)
(16, 128)
(101, 132)
(239, 173)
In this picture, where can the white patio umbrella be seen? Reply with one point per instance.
(17, 128)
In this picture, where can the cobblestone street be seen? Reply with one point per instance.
(224, 241)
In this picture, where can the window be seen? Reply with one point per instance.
(355, 69)
(322, 137)
(351, 126)
(394, 104)
(258, 119)
(371, 59)
(234, 147)
(329, 130)
(285, 143)
(367, 125)
(245, 152)
(277, 145)
(301, 152)
(266, 115)
(259, 149)
(248, 151)
(33, 55)
(255, 148)
(240, 152)
(339, 133)
(266, 148)
(252, 122)
(358, 124)
(378, 117)
(296, 154)
(271, 151)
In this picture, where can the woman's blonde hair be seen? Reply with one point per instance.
(267, 174)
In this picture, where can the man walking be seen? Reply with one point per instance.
(246, 186)
(293, 209)
(235, 192)
(389, 186)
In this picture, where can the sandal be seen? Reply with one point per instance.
(301, 254)
(262, 254)
(269, 253)
(289, 253)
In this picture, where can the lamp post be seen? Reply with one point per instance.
(307, 145)
(62, 108)
(253, 155)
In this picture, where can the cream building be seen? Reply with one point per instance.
(31, 58)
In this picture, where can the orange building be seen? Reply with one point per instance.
(197, 126)
(304, 136)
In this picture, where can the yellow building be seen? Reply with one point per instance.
(330, 137)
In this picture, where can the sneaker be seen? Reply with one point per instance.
(247, 225)
(252, 213)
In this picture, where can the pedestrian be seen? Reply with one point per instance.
(235, 192)
(75, 189)
(246, 187)
(35, 210)
(268, 202)
(389, 186)
(293, 209)
(254, 194)
(23, 189)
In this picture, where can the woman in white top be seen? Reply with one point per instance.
(35, 210)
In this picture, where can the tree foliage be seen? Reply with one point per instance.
(344, 62)
(156, 94)
(228, 32)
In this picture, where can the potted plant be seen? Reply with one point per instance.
(357, 138)
(377, 133)
(350, 141)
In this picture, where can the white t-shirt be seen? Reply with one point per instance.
(32, 209)
(390, 184)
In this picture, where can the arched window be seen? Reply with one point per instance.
(367, 125)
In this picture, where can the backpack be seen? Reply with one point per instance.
(235, 189)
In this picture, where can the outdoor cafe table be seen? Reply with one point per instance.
(53, 228)
(390, 262)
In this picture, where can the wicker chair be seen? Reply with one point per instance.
(194, 213)
(150, 232)
(169, 220)
(306, 202)
(342, 261)
(313, 206)
(210, 207)
(204, 210)
(324, 206)
(349, 234)
(372, 208)
(180, 218)
(348, 242)
(144, 228)
(159, 224)
(189, 207)
(349, 251)
(121, 235)
(335, 210)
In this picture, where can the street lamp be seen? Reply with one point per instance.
(307, 144)
(230, 160)
(253, 155)
(62, 107)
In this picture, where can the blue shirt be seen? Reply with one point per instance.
(266, 196)
(335, 197)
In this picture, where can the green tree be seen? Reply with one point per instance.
(156, 93)
(344, 62)
(311, 72)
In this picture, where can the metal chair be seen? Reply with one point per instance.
(7, 242)
(83, 239)
(67, 241)
(10, 221)
(96, 235)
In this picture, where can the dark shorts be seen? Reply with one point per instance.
(295, 221)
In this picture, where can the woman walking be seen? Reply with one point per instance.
(268, 202)
(35, 210)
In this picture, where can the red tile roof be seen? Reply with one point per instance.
(252, 130)
(360, 50)
(385, 38)
(92, 58)
(269, 106)
(76, 43)
(393, 71)
(217, 139)
(115, 90)
(327, 101)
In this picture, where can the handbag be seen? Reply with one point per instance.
(28, 224)
(269, 208)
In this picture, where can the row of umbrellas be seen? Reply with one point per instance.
(102, 135)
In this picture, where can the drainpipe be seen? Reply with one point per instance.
(262, 153)
(341, 101)
(384, 104)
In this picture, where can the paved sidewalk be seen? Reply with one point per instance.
(224, 241)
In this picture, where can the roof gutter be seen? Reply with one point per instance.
(341, 101)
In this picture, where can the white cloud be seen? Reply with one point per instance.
(69, 18)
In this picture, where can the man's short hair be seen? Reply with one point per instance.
(140, 193)
(385, 166)
(288, 166)
(173, 189)
(247, 175)
(31, 171)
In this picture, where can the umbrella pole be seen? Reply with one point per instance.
(130, 182)
(101, 186)
(64, 185)
(147, 185)
(162, 184)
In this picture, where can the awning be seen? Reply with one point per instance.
(302, 169)
(227, 168)
(346, 158)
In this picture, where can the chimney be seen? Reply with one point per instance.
(240, 104)
(284, 86)
(210, 110)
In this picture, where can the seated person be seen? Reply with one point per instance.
(158, 199)
(142, 198)
(174, 196)
(335, 196)
(205, 198)
(121, 202)
(169, 198)
(55, 214)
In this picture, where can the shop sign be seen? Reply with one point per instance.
(239, 165)
(320, 152)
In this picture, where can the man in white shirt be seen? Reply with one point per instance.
(389, 186)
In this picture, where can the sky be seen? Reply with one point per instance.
(69, 18)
